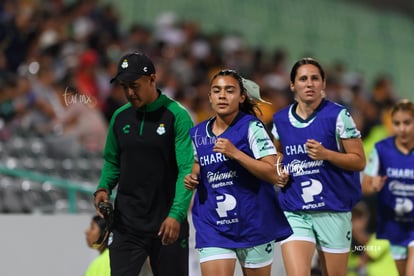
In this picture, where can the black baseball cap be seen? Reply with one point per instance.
(132, 66)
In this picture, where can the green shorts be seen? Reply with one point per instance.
(330, 231)
(252, 257)
(399, 252)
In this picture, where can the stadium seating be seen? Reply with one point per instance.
(44, 177)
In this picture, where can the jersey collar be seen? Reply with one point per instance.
(313, 115)
(160, 101)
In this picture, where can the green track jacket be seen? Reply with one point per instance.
(147, 154)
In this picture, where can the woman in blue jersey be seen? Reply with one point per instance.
(390, 172)
(235, 212)
(322, 157)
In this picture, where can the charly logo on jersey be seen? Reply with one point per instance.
(161, 129)
(311, 189)
(213, 158)
(184, 243)
(406, 173)
(295, 149)
(225, 204)
(125, 129)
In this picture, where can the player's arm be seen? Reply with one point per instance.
(372, 182)
(351, 159)
(350, 155)
(191, 180)
(110, 170)
(185, 160)
(263, 168)
(277, 143)
(262, 164)
(170, 227)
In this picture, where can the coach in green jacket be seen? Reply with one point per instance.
(147, 154)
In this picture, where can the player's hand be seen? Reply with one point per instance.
(282, 178)
(378, 182)
(100, 196)
(169, 231)
(282, 175)
(226, 147)
(315, 150)
(190, 181)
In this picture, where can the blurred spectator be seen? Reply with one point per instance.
(17, 31)
(277, 99)
(86, 78)
(378, 131)
(366, 110)
(20, 106)
(42, 86)
(369, 256)
(139, 38)
(202, 107)
(278, 76)
(115, 99)
(81, 119)
(382, 98)
(107, 27)
(383, 92)
(83, 24)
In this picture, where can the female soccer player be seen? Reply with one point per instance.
(390, 172)
(236, 213)
(323, 155)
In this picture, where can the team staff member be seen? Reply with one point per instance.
(236, 213)
(390, 172)
(323, 155)
(147, 154)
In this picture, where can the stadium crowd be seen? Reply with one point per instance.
(57, 60)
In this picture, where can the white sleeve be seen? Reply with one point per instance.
(195, 151)
(345, 126)
(260, 142)
(372, 167)
(275, 132)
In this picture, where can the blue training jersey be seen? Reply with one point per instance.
(395, 215)
(232, 208)
(316, 185)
